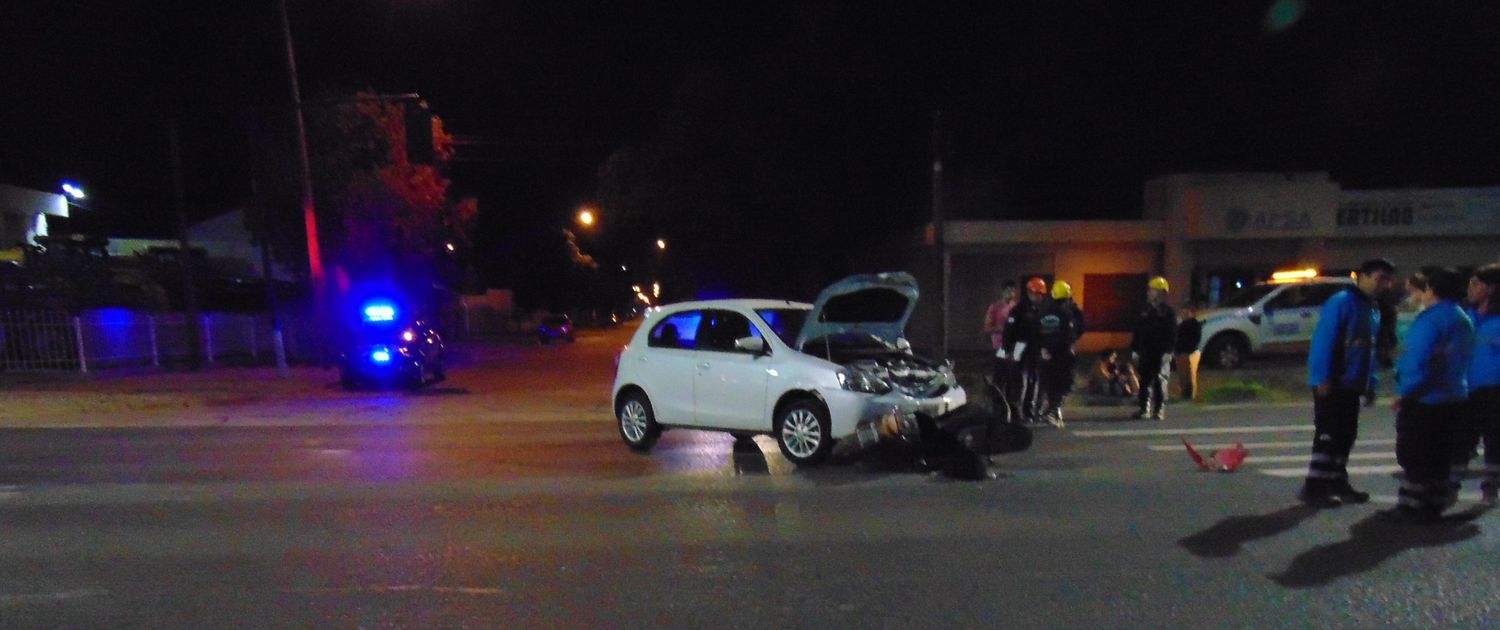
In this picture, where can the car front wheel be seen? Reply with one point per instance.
(637, 422)
(1225, 352)
(804, 432)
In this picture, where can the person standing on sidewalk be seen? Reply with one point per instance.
(1432, 380)
(1483, 420)
(1004, 385)
(1187, 354)
(1059, 328)
(1022, 348)
(1341, 370)
(1151, 345)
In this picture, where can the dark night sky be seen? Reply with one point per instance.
(1053, 109)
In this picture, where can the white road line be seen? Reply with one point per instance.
(1280, 428)
(1282, 459)
(1302, 444)
(1301, 471)
(16, 599)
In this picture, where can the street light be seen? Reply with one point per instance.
(661, 243)
(72, 190)
(586, 217)
(656, 289)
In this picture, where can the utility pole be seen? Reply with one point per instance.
(189, 293)
(309, 214)
(939, 242)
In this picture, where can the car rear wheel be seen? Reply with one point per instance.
(1226, 352)
(804, 432)
(637, 422)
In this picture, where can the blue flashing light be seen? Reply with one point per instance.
(381, 356)
(380, 313)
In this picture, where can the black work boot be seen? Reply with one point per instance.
(1346, 493)
(1317, 493)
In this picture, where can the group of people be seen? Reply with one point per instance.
(1035, 343)
(1447, 381)
(1035, 340)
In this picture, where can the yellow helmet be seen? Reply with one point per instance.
(1061, 289)
(1159, 283)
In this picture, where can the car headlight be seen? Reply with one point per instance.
(858, 381)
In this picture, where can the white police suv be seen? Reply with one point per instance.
(1269, 317)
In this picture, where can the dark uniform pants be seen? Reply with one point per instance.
(1057, 376)
(1335, 426)
(1481, 421)
(1154, 376)
(1424, 436)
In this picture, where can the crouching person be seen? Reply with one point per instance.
(1432, 380)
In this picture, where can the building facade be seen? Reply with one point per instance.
(1208, 234)
(24, 212)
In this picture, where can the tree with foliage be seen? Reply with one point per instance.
(380, 215)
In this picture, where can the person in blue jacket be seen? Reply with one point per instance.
(1483, 420)
(1432, 380)
(1341, 370)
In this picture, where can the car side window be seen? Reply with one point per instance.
(679, 331)
(1318, 294)
(720, 329)
(1290, 297)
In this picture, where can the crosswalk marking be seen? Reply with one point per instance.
(1302, 444)
(1289, 464)
(1301, 471)
(1283, 428)
(1281, 459)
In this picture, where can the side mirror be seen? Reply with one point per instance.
(752, 344)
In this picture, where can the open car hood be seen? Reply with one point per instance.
(874, 304)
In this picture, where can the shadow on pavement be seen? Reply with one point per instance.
(749, 459)
(1227, 537)
(1372, 541)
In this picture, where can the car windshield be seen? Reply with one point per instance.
(1248, 296)
(786, 322)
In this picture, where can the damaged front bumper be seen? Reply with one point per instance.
(862, 420)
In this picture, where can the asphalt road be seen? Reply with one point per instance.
(504, 499)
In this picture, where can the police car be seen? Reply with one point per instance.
(1269, 317)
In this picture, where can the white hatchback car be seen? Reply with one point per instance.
(807, 374)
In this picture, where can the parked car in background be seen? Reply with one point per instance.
(1269, 317)
(807, 374)
(555, 327)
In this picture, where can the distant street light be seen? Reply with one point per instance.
(72, 190)
(586, 217)
(450, 246)
(661, 243)
(624, 268)
(635, 288)
(656, 289)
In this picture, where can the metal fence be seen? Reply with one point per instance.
(41, 340)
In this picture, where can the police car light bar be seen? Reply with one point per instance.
(380, 313)
(381, 356)
(1294, 275)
